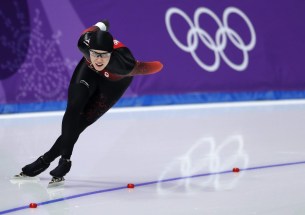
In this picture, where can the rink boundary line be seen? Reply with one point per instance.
(148, 183)
(167, 107)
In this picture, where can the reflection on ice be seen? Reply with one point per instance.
(209, 159)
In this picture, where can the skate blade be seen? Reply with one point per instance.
(56, 184)
(16, 179)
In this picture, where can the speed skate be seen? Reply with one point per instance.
(56, 182)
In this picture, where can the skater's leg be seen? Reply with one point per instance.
(104, 98)
(106, 94)
(70, 124)
(70, 131)
(54, 152)
(79, 97)
(81, 88)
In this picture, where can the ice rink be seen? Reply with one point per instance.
(180, 159)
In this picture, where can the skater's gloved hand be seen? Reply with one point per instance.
(103, 25)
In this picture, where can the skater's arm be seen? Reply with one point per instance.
(146, 68)
(83, 41)
(122, 60)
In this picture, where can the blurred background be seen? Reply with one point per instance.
(212, 51)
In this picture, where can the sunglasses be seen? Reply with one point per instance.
(102, 55)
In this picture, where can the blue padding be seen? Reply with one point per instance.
(150, 100)
(192, 98)
(32, 107)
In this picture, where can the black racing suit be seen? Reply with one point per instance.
(91, 94)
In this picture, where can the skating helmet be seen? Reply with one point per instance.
(101, 40)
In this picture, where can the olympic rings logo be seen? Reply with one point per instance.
(218, 44)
